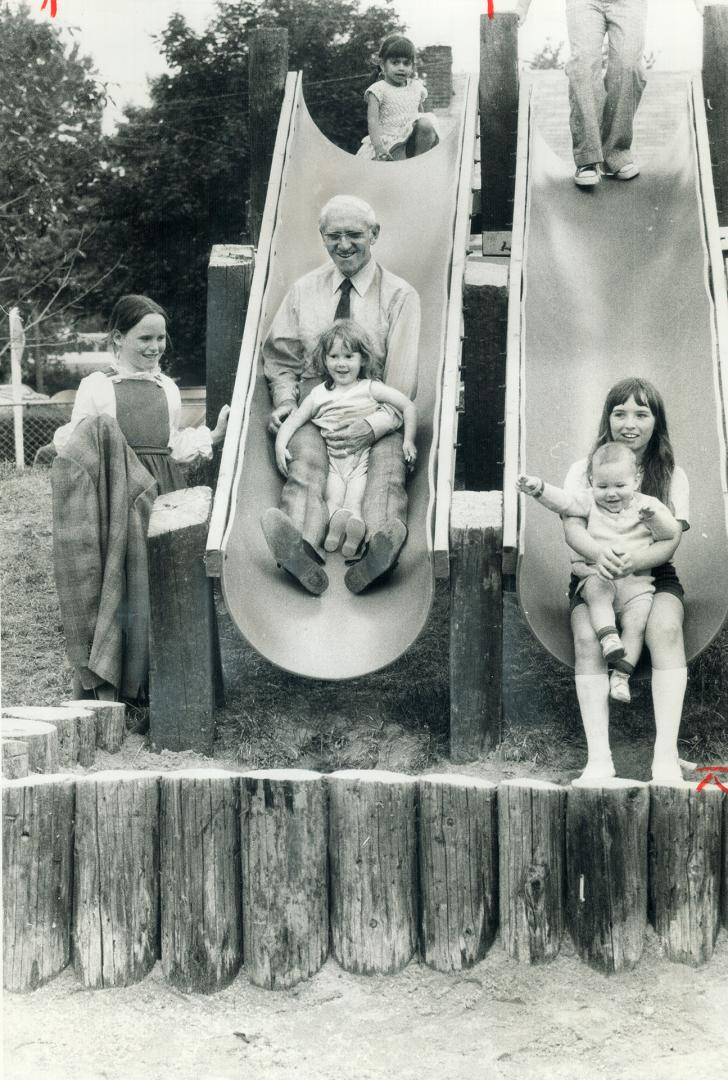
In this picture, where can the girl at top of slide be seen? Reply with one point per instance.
(398, 125)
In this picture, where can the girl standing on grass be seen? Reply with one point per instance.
(122, 448)
(398, 126)
(633, 414)
(344, 355)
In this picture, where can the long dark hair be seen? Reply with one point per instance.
(658, 460)
(131, 309)
(352, 336)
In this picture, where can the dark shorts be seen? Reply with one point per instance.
(666, 580)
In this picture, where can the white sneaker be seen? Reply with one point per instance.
(627, 172)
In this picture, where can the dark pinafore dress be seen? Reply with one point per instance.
(142, 414)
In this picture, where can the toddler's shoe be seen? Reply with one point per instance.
(337, 529)
(291, 551)
(612, 648)
(355, 533)
(586, 175)
(619, 687)
(381, 555)
(627, 172)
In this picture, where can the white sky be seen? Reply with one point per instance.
(117, 33)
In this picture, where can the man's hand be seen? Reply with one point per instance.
(278, 415)
(349, 438)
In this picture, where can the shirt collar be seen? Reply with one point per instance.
(148, 376)
(360, 281)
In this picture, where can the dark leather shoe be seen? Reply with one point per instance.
(381, 555)
(291, 551)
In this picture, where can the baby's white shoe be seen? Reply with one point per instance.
(619, 687)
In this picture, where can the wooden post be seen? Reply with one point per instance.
(458, 846)
(715, 88)
(15, 759)
(685, 858)
(229, 278)
(476, 623)
(267, 69)
(183, 647)
(373, 868)
(41, 740)
(17, 344)
(436, 67)
(200, 893)
(485, 313)
(285, 889)
(37, 879)
(531, 845)
(66, 722)
(606, 872)
(116, 878)
(109, 722)
(498, 118)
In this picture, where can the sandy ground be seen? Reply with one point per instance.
(499, 1019)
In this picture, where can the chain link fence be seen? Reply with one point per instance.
(40, 420)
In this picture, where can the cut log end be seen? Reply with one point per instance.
(180, 510)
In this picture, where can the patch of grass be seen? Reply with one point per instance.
(34, 668)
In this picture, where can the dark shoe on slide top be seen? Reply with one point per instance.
(355, 533)
(381, 555)
(291, 551)
(337, 529)
(627, 172)
(586, 175)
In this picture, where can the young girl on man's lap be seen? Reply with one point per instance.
(617, 514)
(344, 356)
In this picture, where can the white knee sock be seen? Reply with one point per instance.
(592, 692)
(668, 691)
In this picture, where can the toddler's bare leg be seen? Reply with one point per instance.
(335, 491)
(599, 596)
(634, 620)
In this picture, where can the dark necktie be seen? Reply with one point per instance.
(343, 308)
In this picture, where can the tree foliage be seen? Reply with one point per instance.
(179, 177)
(548, 57)
(51, 104)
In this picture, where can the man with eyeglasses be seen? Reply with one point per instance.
(351, 285)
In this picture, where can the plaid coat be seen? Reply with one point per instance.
(102, 500)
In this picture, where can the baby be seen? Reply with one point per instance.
(620, 516)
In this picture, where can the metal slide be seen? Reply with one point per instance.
(340, 635)
(625, 280)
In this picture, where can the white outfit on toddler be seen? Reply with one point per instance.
(399, 108)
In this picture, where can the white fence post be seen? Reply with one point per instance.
(17, 344)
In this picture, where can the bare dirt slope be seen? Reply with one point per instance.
(499, 1020)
